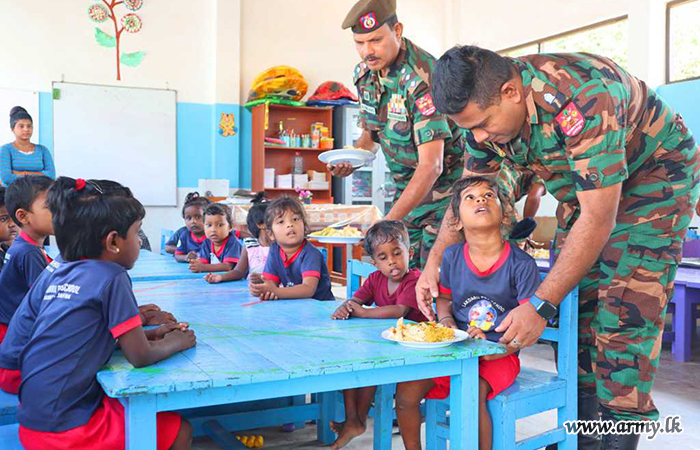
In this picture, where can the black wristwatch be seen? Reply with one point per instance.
(544, 308)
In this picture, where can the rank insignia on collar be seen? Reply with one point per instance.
(571, 120)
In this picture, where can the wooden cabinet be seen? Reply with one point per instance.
(266, 119)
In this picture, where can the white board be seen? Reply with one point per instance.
(10, 98)
(123, 134)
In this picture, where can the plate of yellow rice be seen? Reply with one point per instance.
(423, 335)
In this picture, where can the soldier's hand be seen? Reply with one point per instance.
(342, 170)
(427, 290)
(522, 326)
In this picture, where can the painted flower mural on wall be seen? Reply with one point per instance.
(103, 11)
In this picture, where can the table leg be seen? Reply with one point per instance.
(683, 328)
(464, 406)
(140, 422)
(328, 403)
(384, 416)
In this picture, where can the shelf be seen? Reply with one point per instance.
(296, 149)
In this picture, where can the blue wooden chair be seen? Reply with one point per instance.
(356, 271)
(8, 408)
(165, 236)
(534, 391)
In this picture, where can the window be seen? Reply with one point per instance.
(682, 40)
(608, 38)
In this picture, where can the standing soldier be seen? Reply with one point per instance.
(422, 147)
(624, 169)
(517, 183)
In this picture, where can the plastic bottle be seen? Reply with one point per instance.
(298, 164)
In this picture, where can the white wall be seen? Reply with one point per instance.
(306, 34)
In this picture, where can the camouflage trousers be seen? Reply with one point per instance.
(623, 299)
(423, 232)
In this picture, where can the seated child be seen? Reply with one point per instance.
(221, 250)
(25, 259)
(392, 289)
(188, 239)
(294, 268)
(87, 307)
(255, 251)
(8, 229)
(481, 281)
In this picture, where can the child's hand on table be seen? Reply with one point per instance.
(476, 333)
(213, 278)
(344, 311)
(182, 339)
(263, 289)
(162, 330)
(155, 316)
(196, 266)
(192, 256)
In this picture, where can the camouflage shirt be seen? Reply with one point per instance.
(590, 125)
(399, 113)
(515, 183)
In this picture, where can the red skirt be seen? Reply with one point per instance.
(105, 430)
(498, 373)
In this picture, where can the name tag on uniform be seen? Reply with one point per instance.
(368, 109)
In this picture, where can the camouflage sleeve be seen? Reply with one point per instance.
(595, 143)
(428, 124)
(479, 158)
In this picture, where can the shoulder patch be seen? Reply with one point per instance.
(425, 105)
(571, 120)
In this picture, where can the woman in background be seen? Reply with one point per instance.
(21, 157)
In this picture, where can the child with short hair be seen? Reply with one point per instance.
(186, 242)
(221, 250)
(25, 200)
(8, 229)
(294, 268)
(481, 281)
(87, 307)
(255, 251)
(392, 289)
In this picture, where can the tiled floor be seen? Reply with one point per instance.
(676, 392)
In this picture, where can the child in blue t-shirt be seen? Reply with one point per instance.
(25, 259)
(221, 250)
(87, 306)
(186, 242)
(392, 289)
(255, 249)
(294, 267)
(8, 228)
(481, 281)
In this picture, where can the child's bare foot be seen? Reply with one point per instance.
(350, 429)
(337, 427)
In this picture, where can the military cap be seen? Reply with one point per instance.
(369, 15)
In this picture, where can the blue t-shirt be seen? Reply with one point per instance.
(24, 261)
(306, 262)
(176, 236)
(11, 160)
(188, 242)
(20, 327)
(483, 299)
(229, 252)
(87, 305)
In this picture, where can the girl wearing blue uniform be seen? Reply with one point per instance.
(481, 281)
(221, 250)
(87, 307)
(294, 267)
(186, 242)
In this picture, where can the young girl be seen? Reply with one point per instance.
(294, 268)
(188, 239)
(8, 228)
(255, 251)
(481, 281)
(87, 308)
(221, 250)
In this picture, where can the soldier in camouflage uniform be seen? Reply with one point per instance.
(517, 183)
(624, 169)
(422, 147)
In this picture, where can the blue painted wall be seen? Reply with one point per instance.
(201, 151)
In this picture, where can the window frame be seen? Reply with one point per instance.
(669, 6)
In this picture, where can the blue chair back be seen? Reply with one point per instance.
(165, 236)
(355, 272)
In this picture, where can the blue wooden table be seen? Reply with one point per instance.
(248, 350)
(154, 267)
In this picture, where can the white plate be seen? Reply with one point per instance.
(336, 239)
(459, 337)
(357, 158)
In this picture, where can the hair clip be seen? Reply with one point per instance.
(79, 184)
(96, 186)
